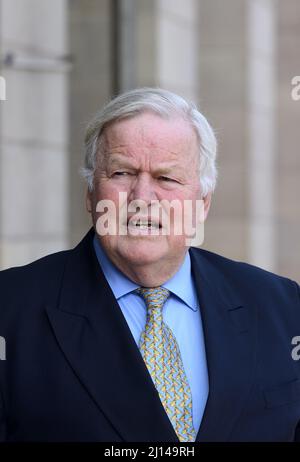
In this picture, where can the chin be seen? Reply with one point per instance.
(143, 252)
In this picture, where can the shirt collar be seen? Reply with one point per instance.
(180, 284)
(119, 283)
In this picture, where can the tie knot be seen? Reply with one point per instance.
(154, 297)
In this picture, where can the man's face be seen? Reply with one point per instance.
(149, 159)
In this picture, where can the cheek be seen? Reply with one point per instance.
(106, 191)
(180, 199)
(182, 218)
(170, 195)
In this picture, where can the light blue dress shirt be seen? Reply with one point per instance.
(181, 313)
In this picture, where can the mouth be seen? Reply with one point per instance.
(143, 226)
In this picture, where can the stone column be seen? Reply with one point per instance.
(288, 179)
(262, 124)
(91, 85)
(237, 74)
(166, 45)
(177, 47)
(34, 130)
(125, 44)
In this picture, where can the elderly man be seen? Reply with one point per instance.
(135, 335)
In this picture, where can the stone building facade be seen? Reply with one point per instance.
(61, 60)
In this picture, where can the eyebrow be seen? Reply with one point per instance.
(118, 160)
(123, 161)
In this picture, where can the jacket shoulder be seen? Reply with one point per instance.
(31, 285)
(36, 269)
(248, 277)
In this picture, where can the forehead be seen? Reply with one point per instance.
(151, 130)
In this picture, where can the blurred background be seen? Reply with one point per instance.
(61, 60)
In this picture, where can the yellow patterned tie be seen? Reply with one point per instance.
(161, 354)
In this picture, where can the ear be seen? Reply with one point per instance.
(88, 201)
(207, 202)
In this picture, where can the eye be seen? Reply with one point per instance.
(121, 173)
(166, 178)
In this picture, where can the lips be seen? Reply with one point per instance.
(143, 223)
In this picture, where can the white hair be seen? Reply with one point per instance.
(164, 103)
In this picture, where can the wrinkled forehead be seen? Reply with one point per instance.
(150, 129)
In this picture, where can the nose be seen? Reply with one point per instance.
(143, 188)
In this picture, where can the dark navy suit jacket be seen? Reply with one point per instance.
(73, 371)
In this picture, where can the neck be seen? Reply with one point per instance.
(152, 275)
(143, 272)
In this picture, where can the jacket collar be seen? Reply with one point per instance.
(229, 325)
(96, 340)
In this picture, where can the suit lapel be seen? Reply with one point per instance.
(96, 341)
(230, 340)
